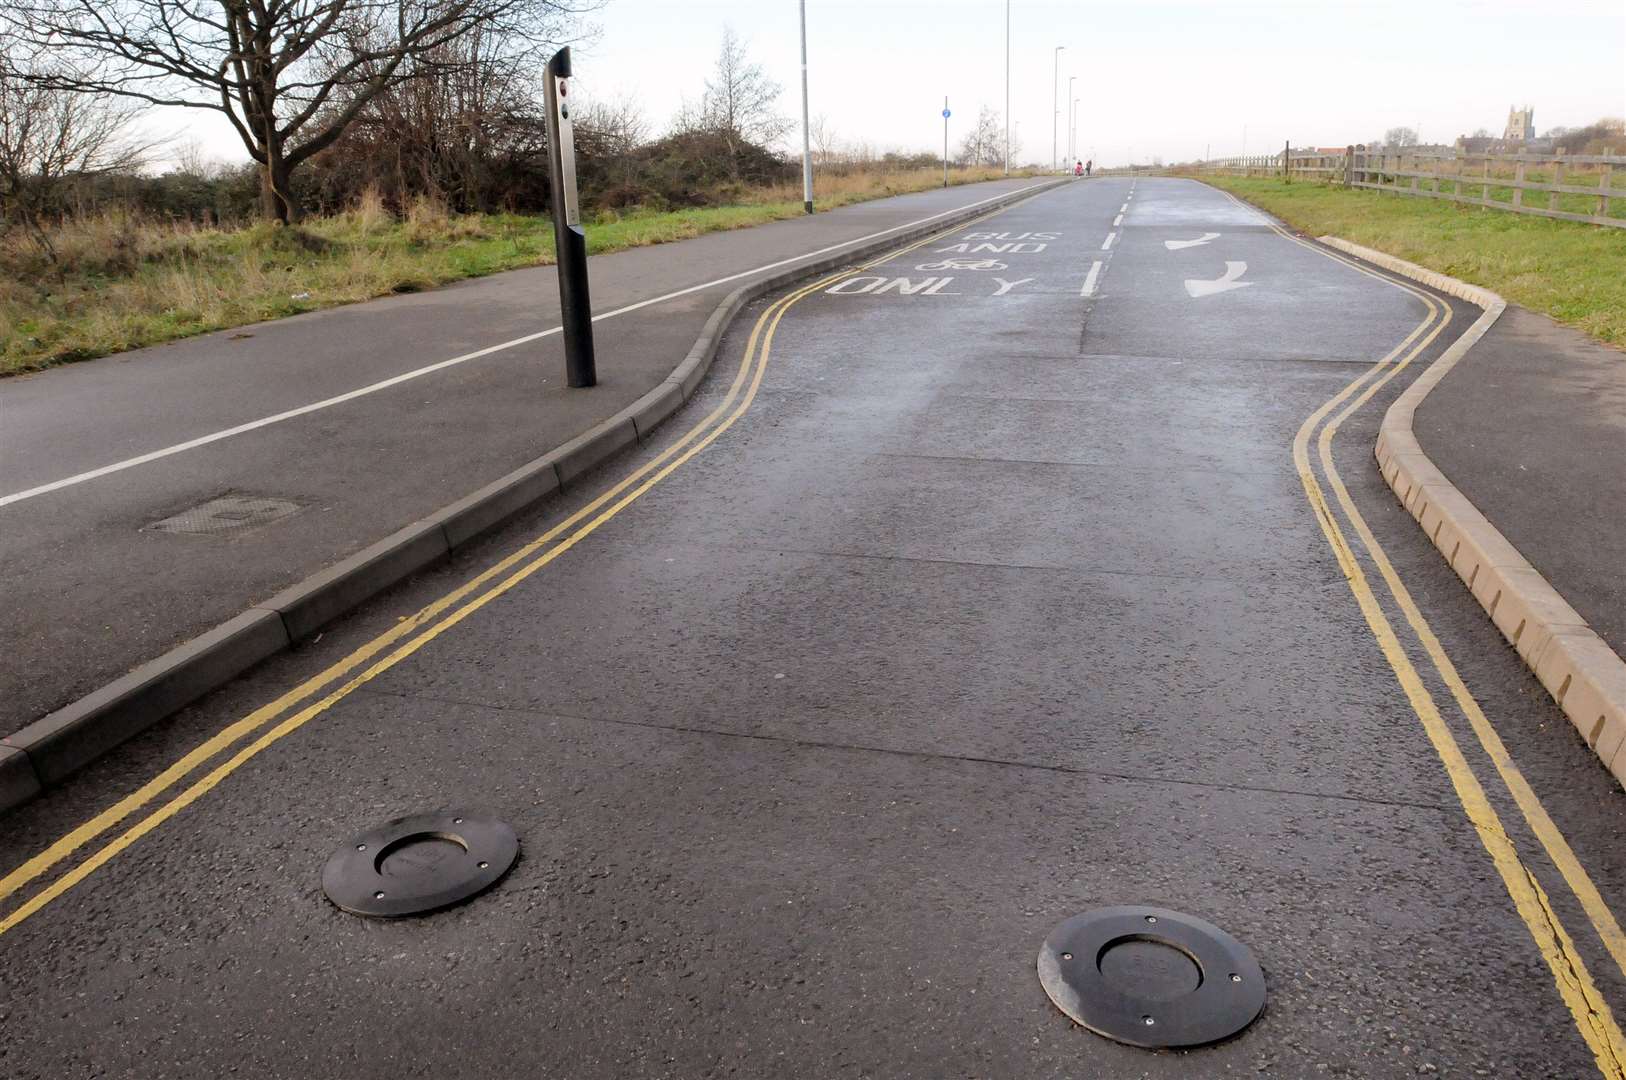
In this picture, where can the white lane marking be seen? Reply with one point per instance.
(1224, 283)
(1124, 209)
(1007, 286)
(1117, 221)
(407, 376)
(1176, 245)
(1107, 243)
(1089, 279)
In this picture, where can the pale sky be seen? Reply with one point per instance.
(1163, 77)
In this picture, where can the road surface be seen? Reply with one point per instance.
(1036, 569)
(352, 422)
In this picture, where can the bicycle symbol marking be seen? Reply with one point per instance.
(965, 264)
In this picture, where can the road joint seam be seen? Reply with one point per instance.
(891, 751)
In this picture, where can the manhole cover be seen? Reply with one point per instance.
(228, 513)
(1150, 977)
(418, 864)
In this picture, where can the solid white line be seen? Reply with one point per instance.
(1117, 221)
(1089, 279)
(396, 380)
(1107, 243)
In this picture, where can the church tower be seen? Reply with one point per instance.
(1521, 124)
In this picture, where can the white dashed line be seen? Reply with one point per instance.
(1107, 243)
(1089, 279)
(1117, 221)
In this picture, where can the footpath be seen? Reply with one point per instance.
(1531, 426)
(1510, 451)
(170, 516)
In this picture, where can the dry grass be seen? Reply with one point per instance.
(118, 282)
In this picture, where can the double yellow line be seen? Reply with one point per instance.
(406, 637)
(1587, 1005)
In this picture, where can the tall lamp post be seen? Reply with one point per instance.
(1071, 79)
(1055, 110)
(807, 144)
(1007, 87)
(1076, 154)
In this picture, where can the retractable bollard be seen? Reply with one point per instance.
(569, 241)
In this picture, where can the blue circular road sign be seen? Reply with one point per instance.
(945, 114)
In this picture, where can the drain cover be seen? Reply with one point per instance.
(1150, 977)
(419, 864)
(227, 514)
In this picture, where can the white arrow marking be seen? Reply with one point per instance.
(1176, 245)
(1233, 270)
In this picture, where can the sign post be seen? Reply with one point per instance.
(945, 140)
(569, 240)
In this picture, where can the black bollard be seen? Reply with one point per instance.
(569, 241)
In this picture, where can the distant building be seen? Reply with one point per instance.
(1521, 125)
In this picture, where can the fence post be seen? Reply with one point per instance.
(1558, 178)
(1287, 161)
(1518, 180)
(1603, 189)
(1349, 165)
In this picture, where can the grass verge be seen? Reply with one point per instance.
(1573, 272)
(119, 283)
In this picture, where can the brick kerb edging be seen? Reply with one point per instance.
(1578, 668)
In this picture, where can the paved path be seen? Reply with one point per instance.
(1531, 425)
(967, 605)
(93, 590)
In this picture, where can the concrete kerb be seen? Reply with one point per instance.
(57, 745)
(1577, 667)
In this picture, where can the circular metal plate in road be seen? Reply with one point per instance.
(1150, 977)
(414, 865)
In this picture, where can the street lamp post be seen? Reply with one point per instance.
(1071, 79)
(1076, 154)
(1055, 110)
(945, 139)
(807, 144)
(1007, 87)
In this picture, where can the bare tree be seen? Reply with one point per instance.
(823, 137)
(48, 138)
(290, 75)
(984, 144)
(740, 98)
(618, 123)
(1400, 136)
(191, 159)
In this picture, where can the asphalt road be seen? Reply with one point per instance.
(94, 589)
(967, 606)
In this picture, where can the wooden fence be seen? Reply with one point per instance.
(1576, 187)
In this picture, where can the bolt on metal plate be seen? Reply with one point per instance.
(418, 864)
(1150, 977)
(229, 513)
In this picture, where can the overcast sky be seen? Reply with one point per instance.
(1154, 77)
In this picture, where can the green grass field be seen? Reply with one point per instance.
(1576, 273)
(119, 283)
